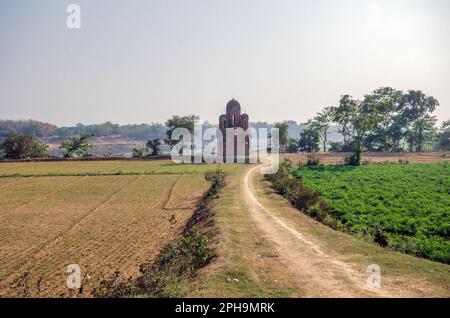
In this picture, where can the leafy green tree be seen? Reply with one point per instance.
(366, 116)
(309, 139)
(387, 134)
(283, 135)
(187, 122)
(153, 146)
(292, 145)
(359, 118)
(343, 115)
(77, 145)
(444, 136)
(417, 110)
(22, 146)
(321, 123)
(427, 135)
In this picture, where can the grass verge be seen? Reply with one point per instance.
(247, 262)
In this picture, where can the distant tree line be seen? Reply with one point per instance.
(386, 120)
(107, 129)
(29, 127)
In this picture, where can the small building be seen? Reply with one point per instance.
(234, 119)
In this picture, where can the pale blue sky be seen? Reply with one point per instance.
(143, 61)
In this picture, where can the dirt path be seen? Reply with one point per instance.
(319, 274)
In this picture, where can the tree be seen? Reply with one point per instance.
(343, 115)
(294, 128)
(153, 146)
(21, 146)
(321, 123)
(77, 145)
(309, 139)
(417, 109)
(283, 135)
(387, 134)
(29, 127)
(359, 118)
(444, 136)
(426, 136)
(187, 122)
(365, 117)
(292, 146)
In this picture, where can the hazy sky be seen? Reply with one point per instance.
(143, 61)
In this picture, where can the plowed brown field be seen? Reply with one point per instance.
(103, 223)
(374, 157)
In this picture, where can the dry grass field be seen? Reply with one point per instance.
(374, 157)
(108, 167)
(104, 223)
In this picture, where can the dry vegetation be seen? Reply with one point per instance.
(373, 157)
(104, 223)
(102, 167)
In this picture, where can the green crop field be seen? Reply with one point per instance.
(409, 202)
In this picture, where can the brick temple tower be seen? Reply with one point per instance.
(234, 119)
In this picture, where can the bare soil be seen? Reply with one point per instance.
(373, 157)
(102, 223)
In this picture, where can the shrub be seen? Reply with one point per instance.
(217, 180)
(353, 160)
(140, 153)
(380, 237)
(167, 255)
(153, 146)
(304, 199)
(196, 245)
(313, 159)
(20, 146)
(77, 145)
(338, 146)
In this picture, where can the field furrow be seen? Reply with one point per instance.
(102, 223)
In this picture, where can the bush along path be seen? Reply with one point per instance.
(179, 261)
